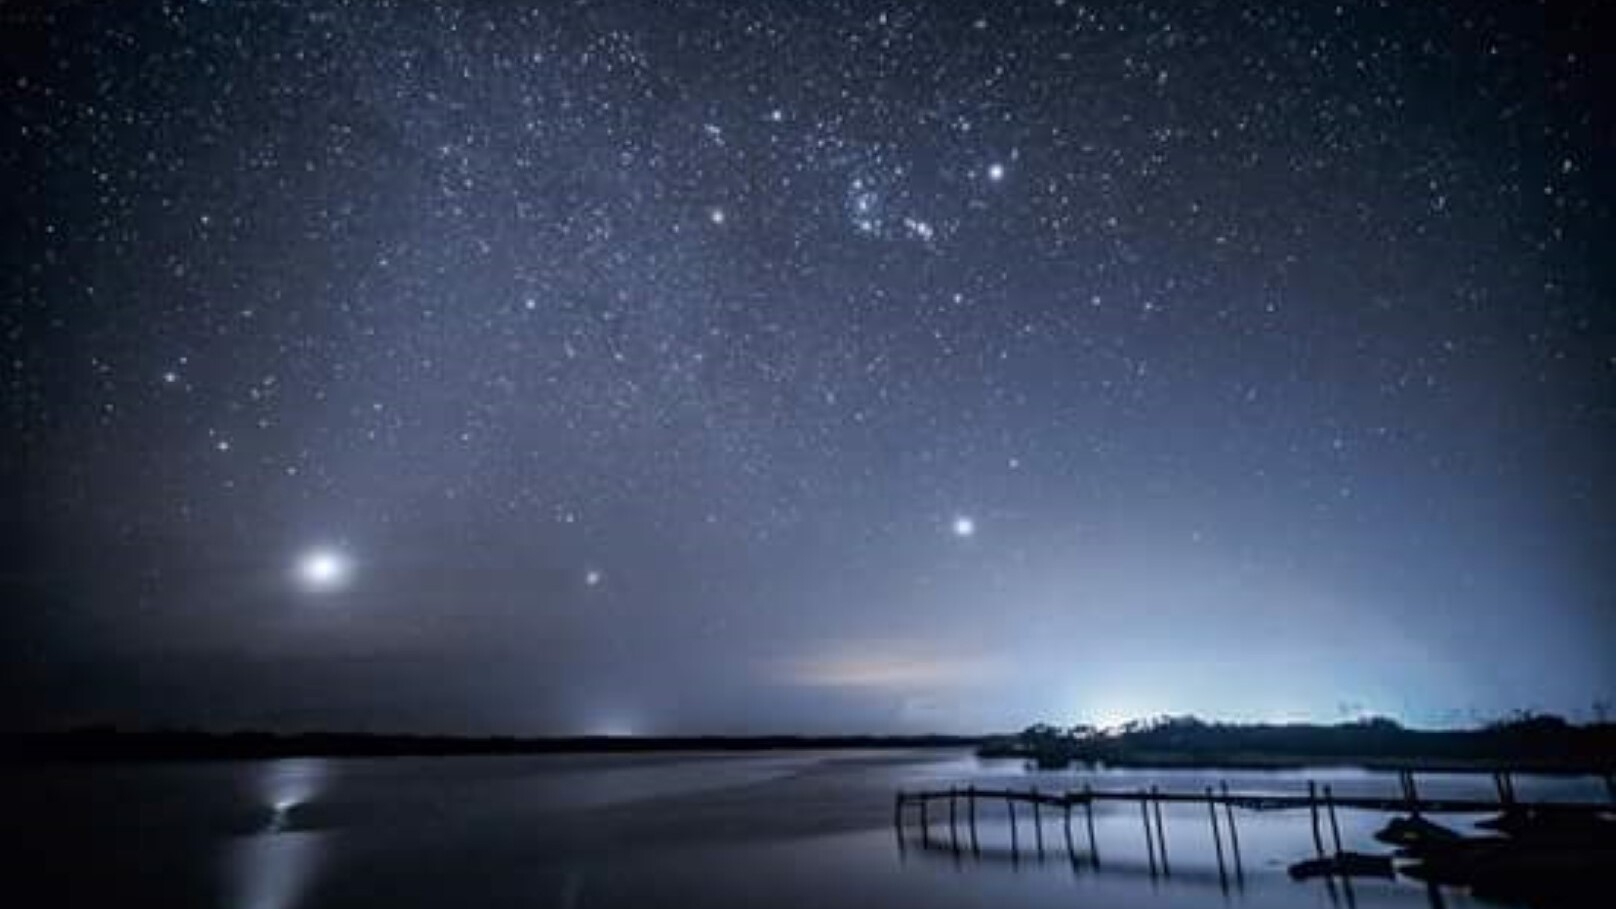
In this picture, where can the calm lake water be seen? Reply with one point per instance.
(782, 829)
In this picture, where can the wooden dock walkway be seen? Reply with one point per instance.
(1321, 803)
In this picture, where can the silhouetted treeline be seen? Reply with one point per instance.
(1544, 742)
(113, 744)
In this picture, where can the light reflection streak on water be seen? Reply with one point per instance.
(272, 871)
(286, 784)
(271, 868)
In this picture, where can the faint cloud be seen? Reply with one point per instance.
(887, 667)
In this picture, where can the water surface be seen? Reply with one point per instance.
(783, 829)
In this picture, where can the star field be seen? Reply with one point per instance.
(624, 359)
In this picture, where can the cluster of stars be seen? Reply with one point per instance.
(608, 289)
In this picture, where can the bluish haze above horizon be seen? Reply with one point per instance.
(804, 367)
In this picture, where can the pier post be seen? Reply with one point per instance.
(1335, 828)
(953, 827)
(1088, 817)
(1313, 813)
(1217, 840)
(1161, 833)
(1037, 823)
(1010, 802)
(1234, 833)
(1150, 845)
(1505, 784)
(897, 822)
(925, 821)
(970, 807)
(1066, 827)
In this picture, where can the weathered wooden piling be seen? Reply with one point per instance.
(1505, 786)
(1161, 832)
(1066, 826)
(953, 826)
(1150, 845)
(1335, 828)
(1037, 823)
(1217, 839)
(1313, 814)
(1009, 800)
(1411, 792)
(897, 823)
(1234, 832)
(976, 849)
(1088, 817)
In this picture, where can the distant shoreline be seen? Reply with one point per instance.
(1276, 762)
(1544, 744)
(1538, 745)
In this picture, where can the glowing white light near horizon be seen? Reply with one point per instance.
(593, 578)
(964, 527)
(321, 570)
(1111, 719)
(612, 727)
(996, 172)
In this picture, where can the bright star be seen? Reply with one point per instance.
(964, 527)
(321, 570)
(995, 172)
(593, 578)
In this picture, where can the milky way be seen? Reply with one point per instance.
(804, 366)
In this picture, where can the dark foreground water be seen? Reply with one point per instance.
(779, 830)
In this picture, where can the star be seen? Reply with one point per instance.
(593, 577)
(963, 527)
(996, 172)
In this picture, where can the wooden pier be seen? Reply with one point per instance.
(1321, 804)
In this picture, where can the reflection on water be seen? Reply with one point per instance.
(270, 868)
(785, 830)
(289, 784)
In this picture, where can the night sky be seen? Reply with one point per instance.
(780, 366)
